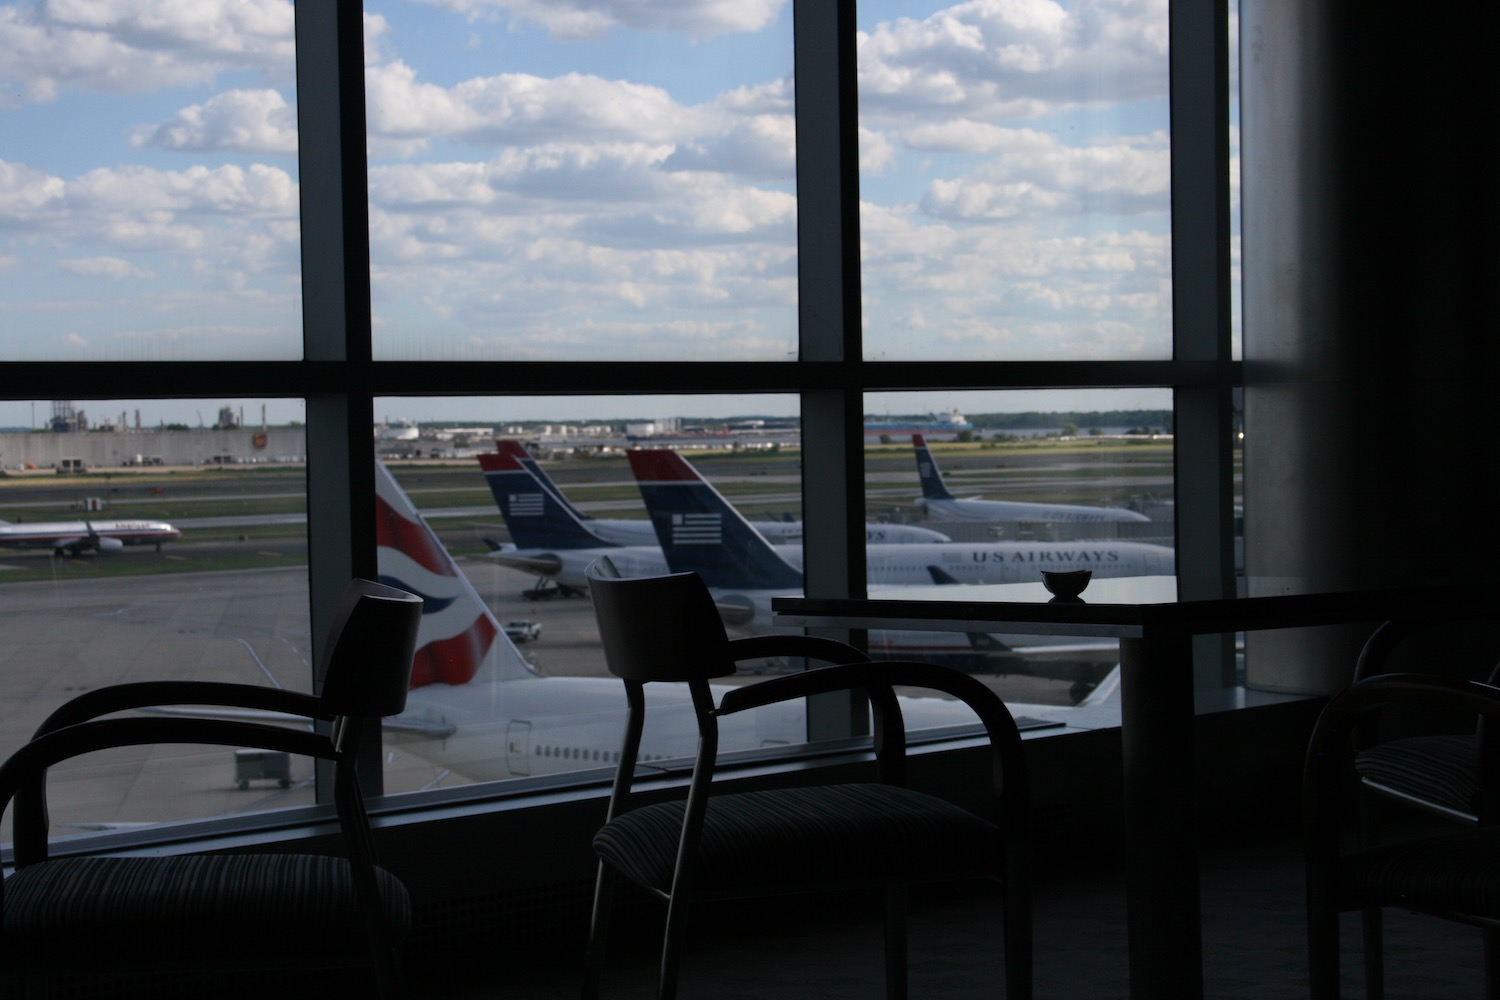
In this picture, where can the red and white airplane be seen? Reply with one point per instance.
(71, 538)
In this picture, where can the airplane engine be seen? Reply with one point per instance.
(108, 544)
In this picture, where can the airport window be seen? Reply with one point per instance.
(138, 545)
(494, 246)
(582, 182)
(1015, 205)
(150, 184)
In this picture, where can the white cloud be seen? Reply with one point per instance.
(578, 19)
(1033, 174)
(229, 219)
(245, 121)
(109, 268)
(27, 195)
(755, 145)
(1009, 59)
(137, 46)
(519, 108)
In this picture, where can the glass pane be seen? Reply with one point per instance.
(514, 683)
(573, 181)
(1015, 483)
(150, 547)
(148, 182)
(1015, 180)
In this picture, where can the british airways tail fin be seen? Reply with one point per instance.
(533, 515)
(700, 532)
(459, 640)
(927, 471)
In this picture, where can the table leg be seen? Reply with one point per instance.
(1161, 844)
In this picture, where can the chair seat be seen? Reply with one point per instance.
(1450, 874)
(825, 836)
(1435, 769)
(139, 906)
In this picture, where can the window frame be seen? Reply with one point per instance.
(339, 380)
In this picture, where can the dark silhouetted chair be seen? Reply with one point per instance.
(219, 911)
(1434, 771)
(877, 834)
(1451, 875)
(1430, 764)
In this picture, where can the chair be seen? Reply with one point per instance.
(878, 835)
(217, 911)
(1452, 875)
(1430, 764)
(1432, 771)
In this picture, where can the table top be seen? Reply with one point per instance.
(1131, 607)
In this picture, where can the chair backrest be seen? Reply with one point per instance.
(367, 657)
(1456, 648)
(659, 628)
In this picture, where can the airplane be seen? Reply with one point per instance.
(691, 517)
(477, 708)
(940, 504)
(547, 537)
(638, 531)
(550, 541)
(71, 538)
(701, 532)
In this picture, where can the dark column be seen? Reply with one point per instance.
(1369, 306)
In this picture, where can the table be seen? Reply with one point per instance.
(1156, 721)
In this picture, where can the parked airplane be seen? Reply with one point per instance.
(477, 708)
(638, 531)
(71, 538)
(701, 532)
(691, 516)
(548, 539)
(940, 503)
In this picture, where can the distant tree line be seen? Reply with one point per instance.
(1141, 421)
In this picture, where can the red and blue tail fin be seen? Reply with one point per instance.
(516, 450)
(701, 532)
(459, 640)
(927, 472)
(534, 516)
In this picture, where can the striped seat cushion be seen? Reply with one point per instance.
(1458, 874)
(1439, 769)
(828, 835)
(129, 906)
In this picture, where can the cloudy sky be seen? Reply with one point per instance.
(570, 179)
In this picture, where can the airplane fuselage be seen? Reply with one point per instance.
(1010, 510)
(77, 536)
(889, 565)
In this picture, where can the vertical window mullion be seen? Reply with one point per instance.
(829, 319)
(1201, 327)
(336, 314)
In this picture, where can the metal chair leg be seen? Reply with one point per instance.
(895, 942)
(593, 963)
(671, 947)
(1019, 941)
(1374, 939)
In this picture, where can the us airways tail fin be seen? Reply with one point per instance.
(459, 642)
(927, 472)
(535, 517)
(700, 532)
(517, 451)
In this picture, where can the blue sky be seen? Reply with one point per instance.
(585, 179)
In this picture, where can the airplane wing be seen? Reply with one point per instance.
(407, 725)
(541, 563)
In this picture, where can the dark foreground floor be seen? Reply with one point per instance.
(1252, 942)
